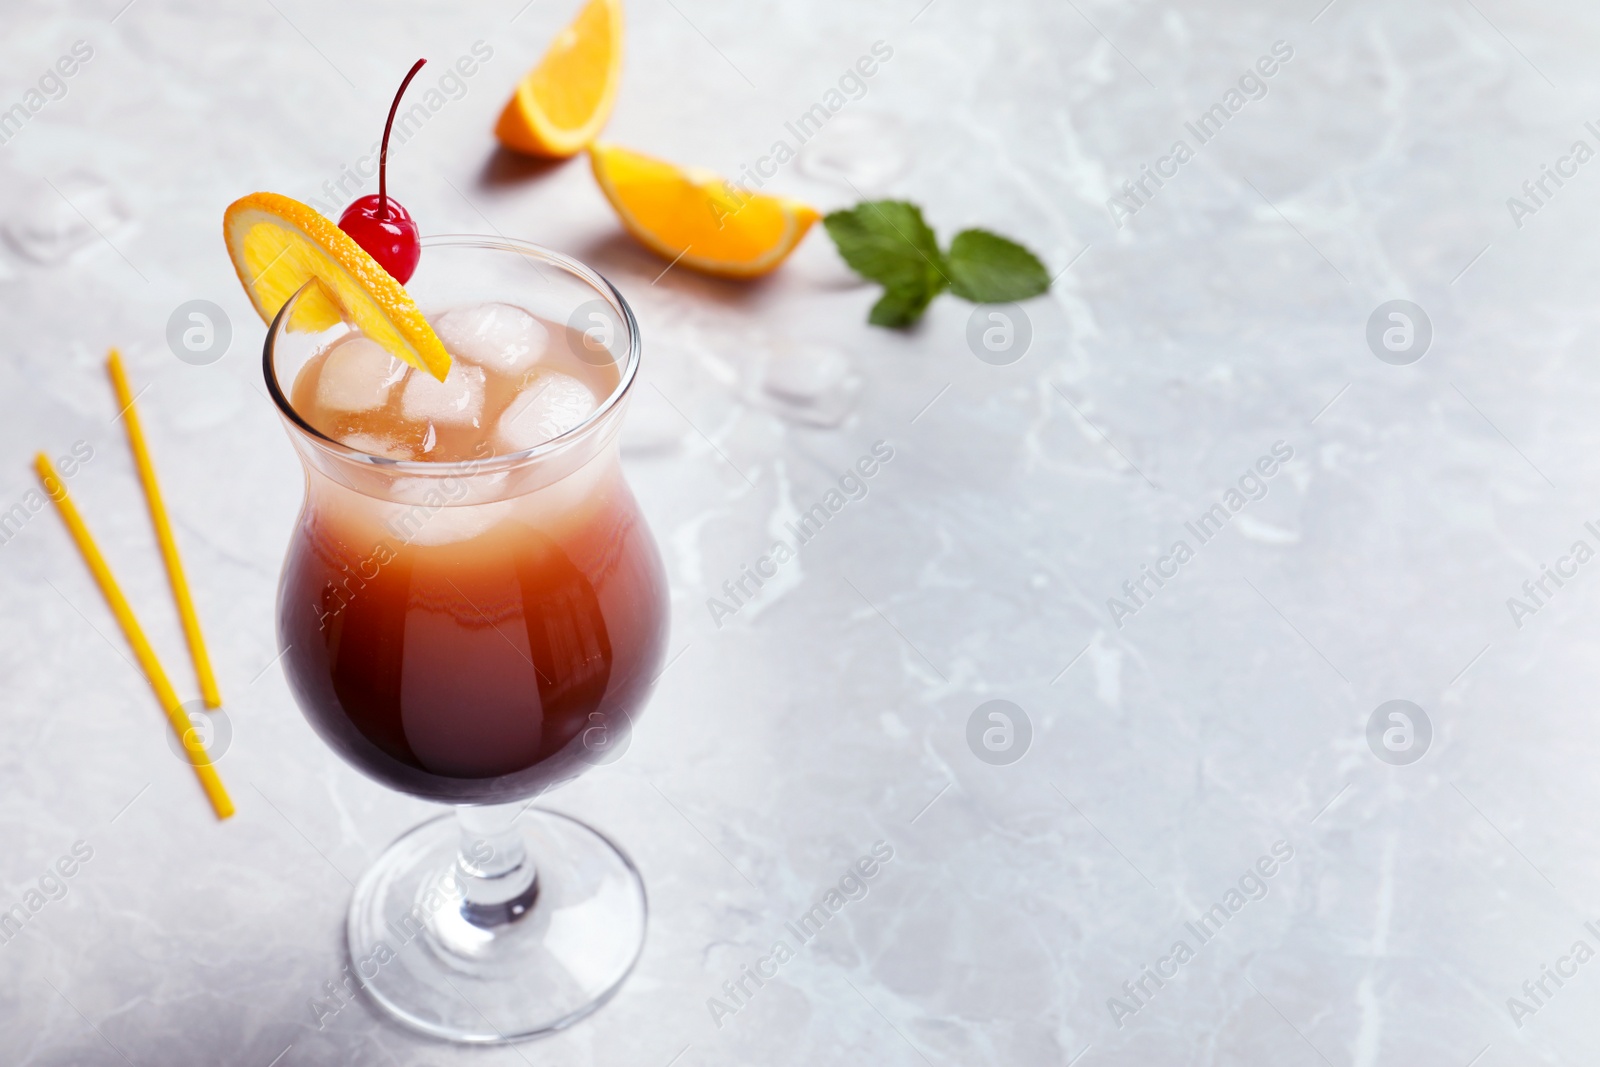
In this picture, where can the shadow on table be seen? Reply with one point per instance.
(504, 168)
(619, 257)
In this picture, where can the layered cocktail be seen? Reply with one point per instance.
(473, 611)
(460, 645)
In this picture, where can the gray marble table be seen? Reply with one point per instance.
(1197, 835)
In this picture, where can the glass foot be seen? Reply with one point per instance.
(432, 954)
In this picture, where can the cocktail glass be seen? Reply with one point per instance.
(477, 633)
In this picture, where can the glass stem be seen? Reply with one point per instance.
(497, 877)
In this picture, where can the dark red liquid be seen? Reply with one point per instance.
(482, 670)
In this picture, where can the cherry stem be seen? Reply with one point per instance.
(383, 156)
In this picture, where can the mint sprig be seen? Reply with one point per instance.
(887, 241)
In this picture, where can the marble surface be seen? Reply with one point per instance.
(1172, 742)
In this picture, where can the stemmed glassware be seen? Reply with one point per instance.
(477, 633)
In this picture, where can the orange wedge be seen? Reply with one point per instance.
(279, 244)
(696, 218)
(561, 105)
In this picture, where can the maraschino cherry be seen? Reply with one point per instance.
(378, 223)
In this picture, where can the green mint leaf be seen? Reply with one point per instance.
(898, 308)
(887, 241)
(989, 269)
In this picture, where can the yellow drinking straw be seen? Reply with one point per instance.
(169, 547)
(209, 781)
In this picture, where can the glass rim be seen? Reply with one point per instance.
(595, 280)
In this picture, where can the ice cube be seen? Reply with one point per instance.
(804, 373)
(811, 384)
(864, 152)
(357, 376)
(374, 445)
(54, 222)
(456, 401)
(549, 406)
(496, 336)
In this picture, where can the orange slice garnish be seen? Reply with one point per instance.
(696, 218)
(279, 244)
(561, 105)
